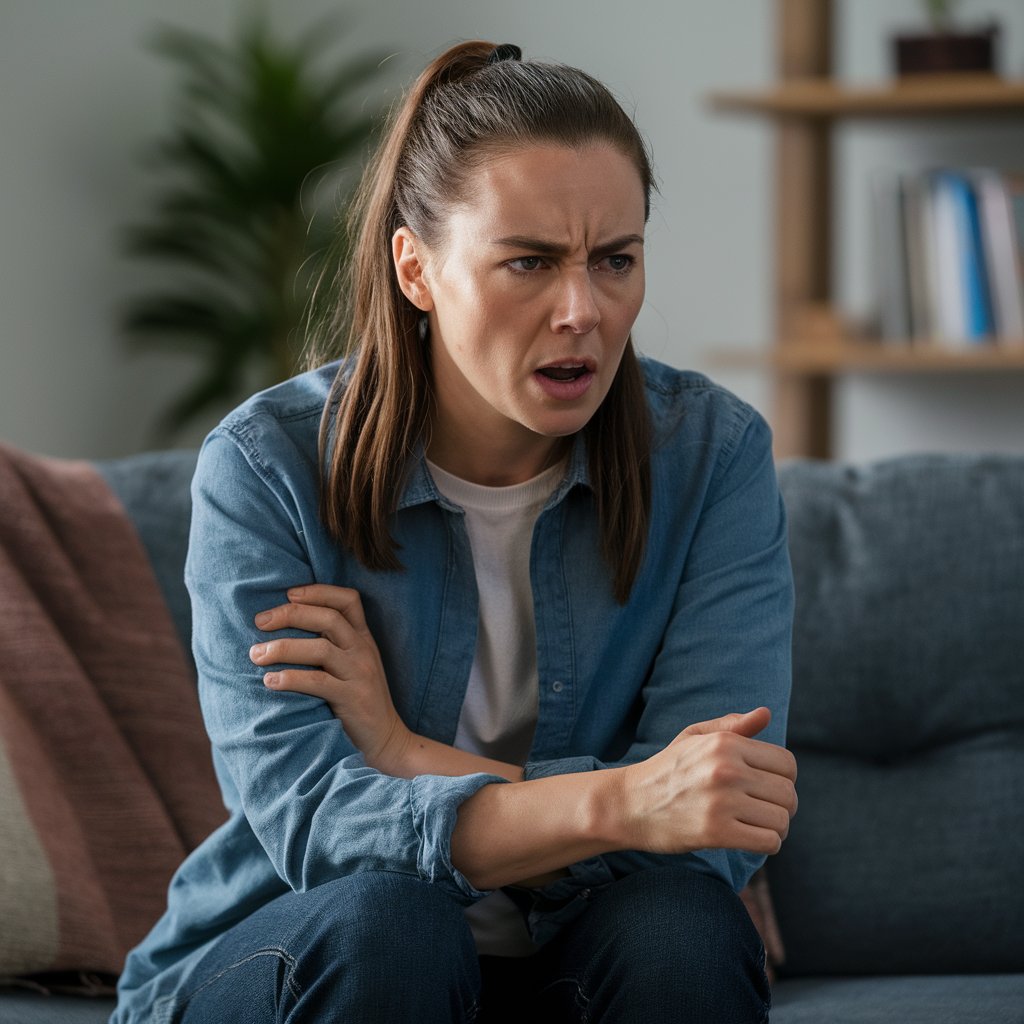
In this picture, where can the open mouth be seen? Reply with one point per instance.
(563, 372)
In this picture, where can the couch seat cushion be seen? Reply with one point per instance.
(29, 1008)
(914, 999)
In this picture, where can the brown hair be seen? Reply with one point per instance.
(463, 107)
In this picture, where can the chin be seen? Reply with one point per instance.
(563, 425)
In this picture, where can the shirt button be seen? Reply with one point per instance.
(557, 686)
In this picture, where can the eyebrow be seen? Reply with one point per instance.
(546, 248)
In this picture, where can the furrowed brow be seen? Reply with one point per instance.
(546, 248)
(617, 245)
(537, 245)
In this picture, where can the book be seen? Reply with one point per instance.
(1002, 254)
(948, 256)
(943, 238)
(1014, 185)
(979, 321)
(921, 271)
(890, 262)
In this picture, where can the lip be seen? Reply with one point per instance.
(567, 390)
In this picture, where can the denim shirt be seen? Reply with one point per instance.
(706, 631)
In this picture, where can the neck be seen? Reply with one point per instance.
(494, 462)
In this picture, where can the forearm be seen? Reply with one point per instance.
(406, 755)
(411, 755)
(526, 833)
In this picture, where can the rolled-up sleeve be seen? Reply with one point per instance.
(284, 761)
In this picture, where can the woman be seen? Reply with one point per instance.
(478, 615)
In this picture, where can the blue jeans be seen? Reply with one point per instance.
(665, 945)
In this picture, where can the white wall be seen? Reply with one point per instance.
(80, 98)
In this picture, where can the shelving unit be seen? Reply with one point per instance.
(804, 105)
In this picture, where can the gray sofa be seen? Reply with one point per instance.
(897, 894)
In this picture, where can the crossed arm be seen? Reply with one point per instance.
(714, 785)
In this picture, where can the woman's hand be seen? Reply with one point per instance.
(345, 668)
(713, 786)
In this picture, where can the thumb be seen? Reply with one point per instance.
(747, 724)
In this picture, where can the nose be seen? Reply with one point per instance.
(576, 309)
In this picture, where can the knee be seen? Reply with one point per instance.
(675, 937)
(387, 918)
(390, 942)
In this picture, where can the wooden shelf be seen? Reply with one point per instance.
(923, 95)
(830, 359)
(811, 345)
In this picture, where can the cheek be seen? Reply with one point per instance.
(623, 307)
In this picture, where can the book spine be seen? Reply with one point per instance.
(978, 305)
(890, 263)
(948, 284)
(915, 197)
(1001, 257)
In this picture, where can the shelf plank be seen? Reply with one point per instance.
(833, 359)
(920, 95)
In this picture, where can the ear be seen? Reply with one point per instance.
(409, 255)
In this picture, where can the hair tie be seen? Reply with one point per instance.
(506, 51)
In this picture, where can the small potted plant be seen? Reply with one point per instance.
(946, 48)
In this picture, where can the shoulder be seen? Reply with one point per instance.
(276, 431)
(689, 409)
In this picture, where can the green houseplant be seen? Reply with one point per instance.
(267, 139)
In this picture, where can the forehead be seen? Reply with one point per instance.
(552, 190)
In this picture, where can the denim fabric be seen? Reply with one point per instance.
(384, 947)
(706, 631)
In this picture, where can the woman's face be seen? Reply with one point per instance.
(531, 296)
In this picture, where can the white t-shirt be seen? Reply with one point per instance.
(499, 713)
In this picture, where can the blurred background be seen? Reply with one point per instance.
(84, 98)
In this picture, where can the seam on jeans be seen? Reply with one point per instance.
(764, 974)
(582, 1000)
(293, 986)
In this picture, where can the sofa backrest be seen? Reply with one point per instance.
(154, 489)
(907, 717)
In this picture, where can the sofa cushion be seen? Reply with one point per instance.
(950, 999)
(18, 1007)
(907, 717)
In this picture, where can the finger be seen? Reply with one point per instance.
(317, 652)
(302, 680)
(754, 839)
(316, 619)
(341, 599)
(769, 757)
(748, 724)
(761, 814)
(772, 789)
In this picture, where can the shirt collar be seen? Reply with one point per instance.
(420, 488)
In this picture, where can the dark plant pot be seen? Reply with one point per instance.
(943, 52)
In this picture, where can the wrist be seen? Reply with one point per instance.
(605, 808)
(391, 757)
